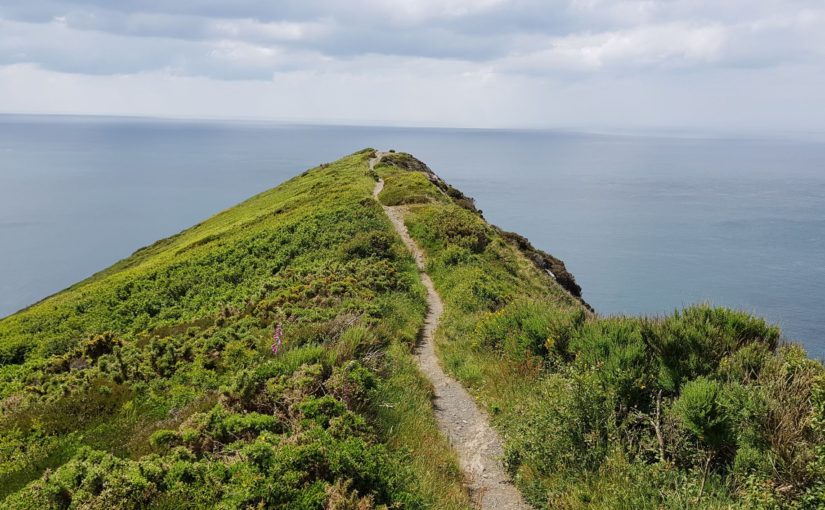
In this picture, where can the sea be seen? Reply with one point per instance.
(648, 223)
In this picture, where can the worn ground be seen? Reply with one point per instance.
(460, 420)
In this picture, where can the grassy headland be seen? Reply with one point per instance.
(153, 383)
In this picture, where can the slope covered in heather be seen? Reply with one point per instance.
(154, 384)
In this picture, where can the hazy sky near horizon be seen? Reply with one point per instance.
(718, 64)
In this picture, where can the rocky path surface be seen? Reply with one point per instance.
(465, 425)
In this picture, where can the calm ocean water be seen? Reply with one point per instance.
(647, 224)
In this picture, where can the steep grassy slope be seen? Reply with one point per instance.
(701, 409)
(153, 383)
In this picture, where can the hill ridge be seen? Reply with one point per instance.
(159, 382)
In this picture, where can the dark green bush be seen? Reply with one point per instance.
(370, 244)
(701, 411)
(530, 326)
(693, 342)
(464, 229)
(615, 350)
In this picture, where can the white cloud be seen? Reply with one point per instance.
(417, 11)
(671, 45)
(505, 62)
(270, 31)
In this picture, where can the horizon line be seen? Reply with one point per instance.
(651, 131)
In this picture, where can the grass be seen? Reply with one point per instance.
(152, 383)
(408, 188)
(705, 408)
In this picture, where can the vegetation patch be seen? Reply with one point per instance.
(157, 383)
(705, 408)
(408, 188)
(410, 181)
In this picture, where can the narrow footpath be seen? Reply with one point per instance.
(466, 427)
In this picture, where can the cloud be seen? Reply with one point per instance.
(578, 34)
(483, 48)
(670, 45)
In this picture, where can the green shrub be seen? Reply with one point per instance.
(352, 383)
(701, 411)
(615, 350)
(163, 439)
(370, 244)
(565, 430)
(692, 343)
(529, 326)
(464, 229)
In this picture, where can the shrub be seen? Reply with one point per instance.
(352, 383)
(745, 364)
(565, 430)
(13, 353)
(692, 343)
(700, 410)
(464, 229)
(456, 255)
(320, 410)
(164, 439)
(791, 425)
(615, 349)
(529, 326)
(370, 244)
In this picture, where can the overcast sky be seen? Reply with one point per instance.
(730, 64)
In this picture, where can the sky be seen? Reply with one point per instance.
(592, 64)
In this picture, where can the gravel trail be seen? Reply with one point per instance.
(466, 426)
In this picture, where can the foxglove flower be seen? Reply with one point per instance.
(277, 339)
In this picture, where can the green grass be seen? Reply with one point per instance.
(152, 384)
(579, 398)
(408, 188)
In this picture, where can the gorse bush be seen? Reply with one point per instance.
(701, 411)
(529, 327)
(739, 418)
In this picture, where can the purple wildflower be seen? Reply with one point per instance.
(276, 338)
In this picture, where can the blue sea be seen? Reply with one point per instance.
(647, 224)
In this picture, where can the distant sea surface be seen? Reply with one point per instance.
(647, 224)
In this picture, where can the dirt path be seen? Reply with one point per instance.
(465, 425)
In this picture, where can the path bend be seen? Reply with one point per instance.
(466, 426)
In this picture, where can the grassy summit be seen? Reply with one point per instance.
(153, 383)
